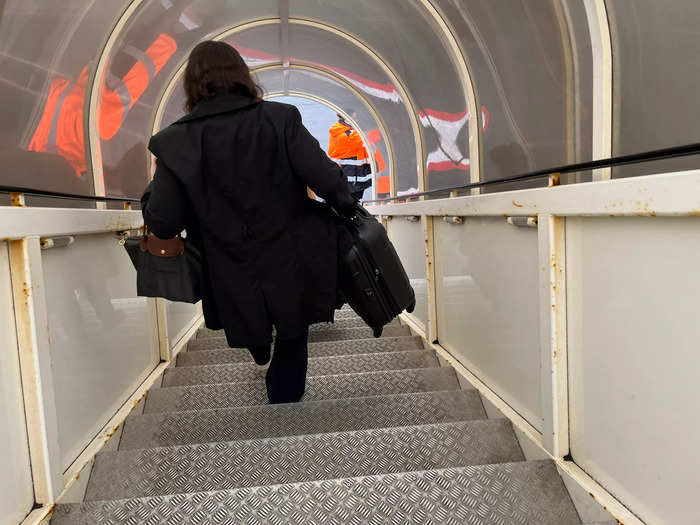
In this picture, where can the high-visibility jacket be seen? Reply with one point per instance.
(374, 137)
(345, 143)
(60, 129)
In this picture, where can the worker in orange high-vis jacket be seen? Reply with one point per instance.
(60, 129)
(345, 146)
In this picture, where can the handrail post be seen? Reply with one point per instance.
(431, 330)
(554, 385)
(31, 318)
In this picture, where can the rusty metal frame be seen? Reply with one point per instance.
(22, 228)
(666, 195)
(31, 319)
(431, 328)
(551, 237)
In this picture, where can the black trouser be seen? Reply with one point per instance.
(286, 377)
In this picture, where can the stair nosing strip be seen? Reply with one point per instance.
(486, 420)
(470, 393)
(394, 474)
(326, 358)
(397, 371)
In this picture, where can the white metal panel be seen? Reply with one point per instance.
(409, 240)
(101, 342)
(488, 297)
(634, 360)
(180, 319)
(16, 493)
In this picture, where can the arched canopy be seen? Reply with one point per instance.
(465, 90)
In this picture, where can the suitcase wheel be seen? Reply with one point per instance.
(378, 331)
(411, 307)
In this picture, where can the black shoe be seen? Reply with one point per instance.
(262, 359)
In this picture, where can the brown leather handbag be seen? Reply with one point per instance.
(167, 268)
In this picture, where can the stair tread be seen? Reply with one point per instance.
(272, 461)
(343, 322)
(206, 426)
(341, 334)
(318, 349)
(228, 373)
(223, 395)
(328, 333)
(524, 492)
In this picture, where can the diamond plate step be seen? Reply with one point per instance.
(320, 366)
(344, 322)
(326, 348)
(348, 322)
(343, 334)
(201, 397)
(224, 466)
(208, 426)
(329, 332)
(522, 493)
(346, 314)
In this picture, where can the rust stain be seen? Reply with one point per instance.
(518, 205)
(112, 432)
(604, 507)
(16, 200)
(556, 354)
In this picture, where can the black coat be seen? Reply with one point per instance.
(234, 174)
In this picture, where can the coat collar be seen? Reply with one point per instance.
(218, 105)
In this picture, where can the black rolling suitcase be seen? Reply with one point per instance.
(371, 275)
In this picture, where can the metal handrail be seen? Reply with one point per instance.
(60, 195)
(647, 156)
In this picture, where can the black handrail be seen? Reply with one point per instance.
(60, 195)
(648, 156)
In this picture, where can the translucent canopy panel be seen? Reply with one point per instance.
(317, 117)
(47, 56)
(656, 74)
(354, 70)
(409, 41)
(320, 48)
(357, 108)
(259, 47)
(318, 85)
(83, 80)
(531, 64)
(150, 47)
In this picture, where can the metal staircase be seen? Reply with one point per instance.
(383, 435)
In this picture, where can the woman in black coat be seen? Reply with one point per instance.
(234, 173)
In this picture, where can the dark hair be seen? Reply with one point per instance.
(216, 68)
